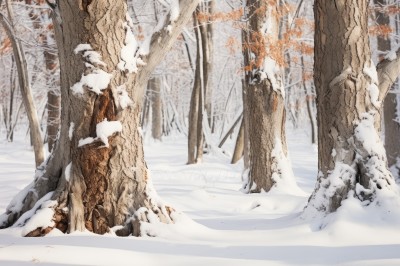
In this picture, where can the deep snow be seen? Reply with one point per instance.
(219, 225)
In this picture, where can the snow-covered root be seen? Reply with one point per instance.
(366, 178)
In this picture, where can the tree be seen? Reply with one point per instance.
(351, 158)
(392, 127)
(23, 80)
(264, 105)
(96, 177)
(202, 81)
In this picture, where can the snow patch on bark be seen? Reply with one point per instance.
(130, 56)
(373, 89)
(124, 100)
(98, 79)
(106, 129)
(273, 72)
(68, 172)
(71, 130)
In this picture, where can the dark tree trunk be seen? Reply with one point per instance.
(351, 157)
(96, 177)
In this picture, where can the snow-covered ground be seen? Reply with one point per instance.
(219, 225)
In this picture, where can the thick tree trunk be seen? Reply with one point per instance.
(265, 100)
(96, 177)
(392, 127)
(156, 106)
(351, 157)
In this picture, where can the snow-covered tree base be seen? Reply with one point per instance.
(365, 178)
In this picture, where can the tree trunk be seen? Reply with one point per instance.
(23, 80)
(392, 127)
(265, 100)
(96, 177)
(309, 102)
(156, 105)
(351, 157)
(202, 81)
(239, 147)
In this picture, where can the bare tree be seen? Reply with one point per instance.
(264, 98)
(351, 158)
(96, 177)
(23, 80)
(202, 80)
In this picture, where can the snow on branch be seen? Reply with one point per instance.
(162, 40)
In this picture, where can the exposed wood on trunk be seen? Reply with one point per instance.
(98, 186)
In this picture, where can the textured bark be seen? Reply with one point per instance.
(156, 105)
(239, 147)
(265, 102)
(347, 108)
(23, 80)
(97, 186)
(392, 128)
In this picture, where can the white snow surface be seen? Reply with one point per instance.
(216, 223)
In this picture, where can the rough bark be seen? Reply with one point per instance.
(264, 96)
(351, 157)
(23, 80)
(105, 182)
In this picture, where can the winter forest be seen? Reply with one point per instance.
(195, 132)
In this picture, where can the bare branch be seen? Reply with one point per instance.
(388, 71)
(162, 41)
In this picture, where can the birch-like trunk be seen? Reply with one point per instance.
(264, 100)
(103, 181)
(351, 157)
